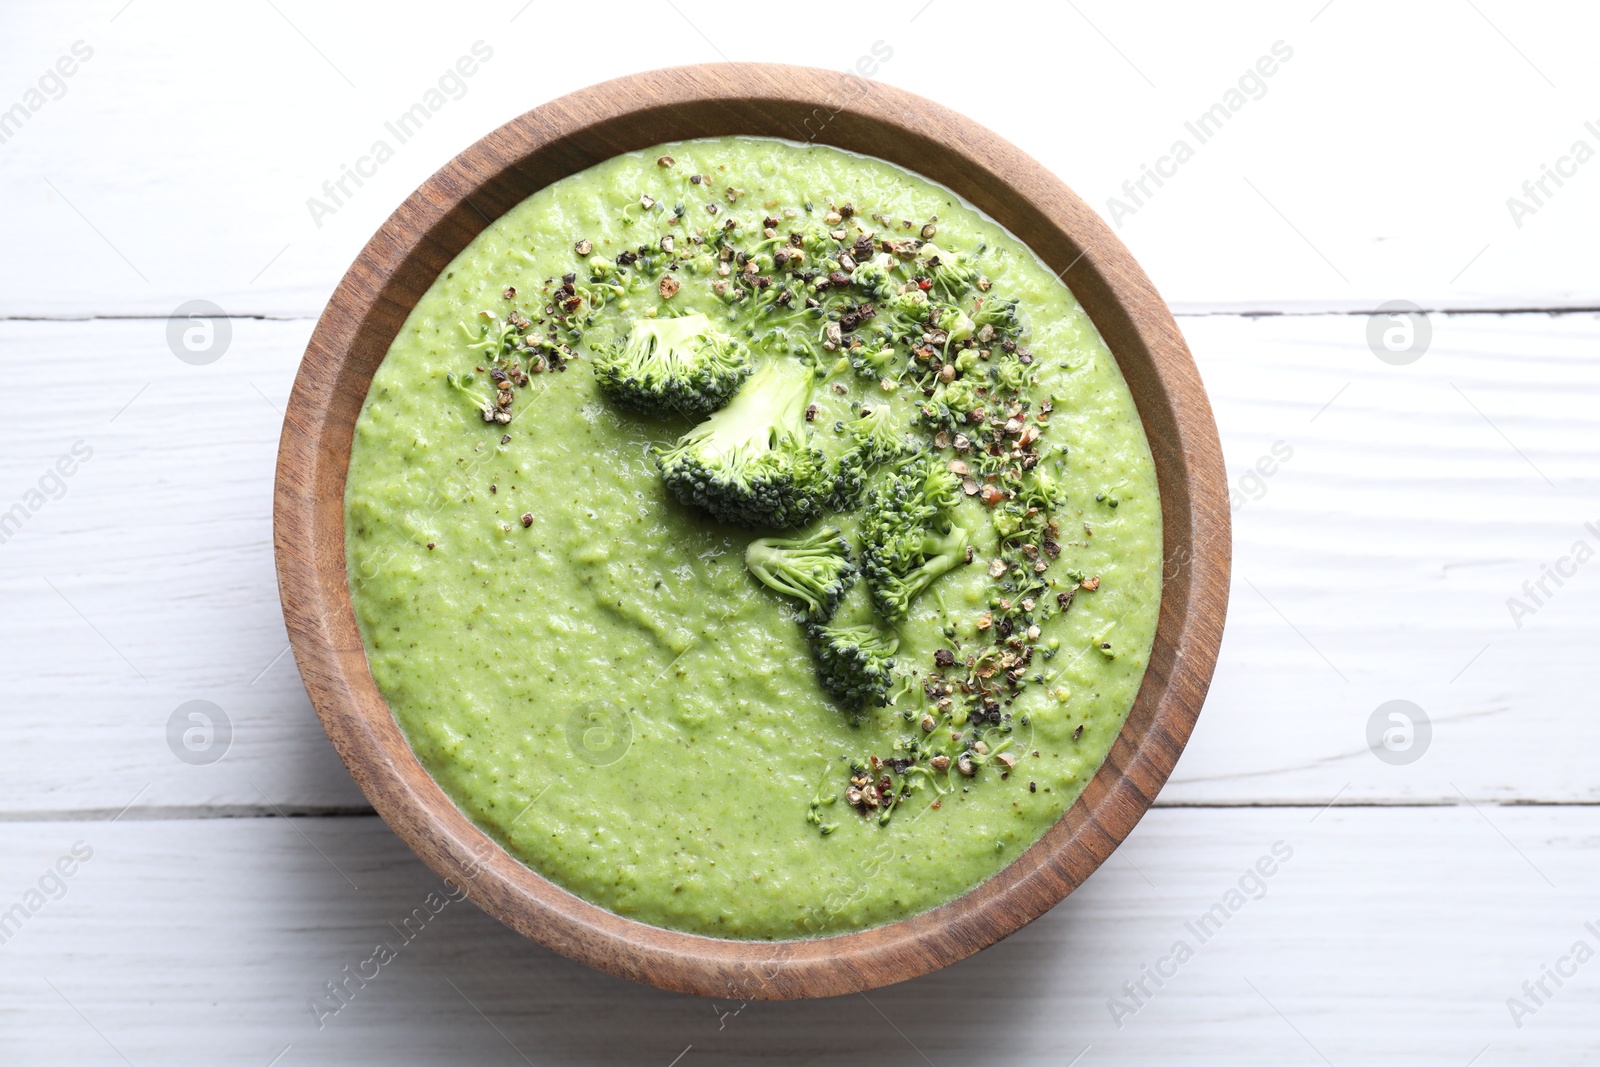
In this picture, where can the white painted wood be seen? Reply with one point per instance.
(1376, 166)
(1374, 564)
(1390, 541)
(150, 582)
(1388, 936)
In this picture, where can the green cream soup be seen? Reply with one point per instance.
(585, 663)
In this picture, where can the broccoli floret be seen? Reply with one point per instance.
(951, 271)
(947, 408)
(1001, 314)
(682, 365)
(855, 664)
(815, 569)
(875, 278)
(874, 363)
(954, 322)
(1042, 492)
(910, 536)
(750, 463)
(875, 440)
(907, 309)
(1011, 375)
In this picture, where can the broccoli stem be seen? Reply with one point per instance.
(770, 409)
(751, 462)
(815, 569)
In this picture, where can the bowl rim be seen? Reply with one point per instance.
(637, 111)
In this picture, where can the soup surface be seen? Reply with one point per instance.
(588, 667)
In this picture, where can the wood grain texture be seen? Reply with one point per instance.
(575, 132)
(1378, 561)
(1389, 936)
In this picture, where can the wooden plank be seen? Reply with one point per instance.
(1376, 563)
(1384, 936)
(1391, 539)
(149, 582)
(1298, 200)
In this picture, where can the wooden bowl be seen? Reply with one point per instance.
(569, 135)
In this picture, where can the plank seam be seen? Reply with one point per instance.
(178, 813)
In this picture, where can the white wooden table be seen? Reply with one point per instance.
(1375, 564)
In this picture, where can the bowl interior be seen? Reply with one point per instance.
(569, 135)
